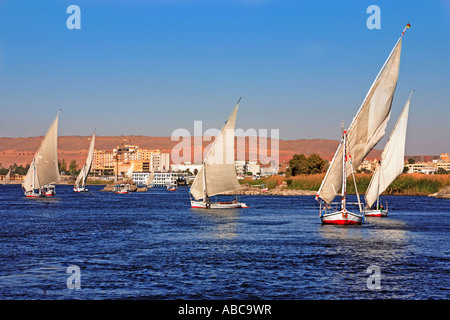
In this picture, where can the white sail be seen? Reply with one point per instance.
(31, 178)
(44, 166)
(150, 178)
(129, 173)
(391, 160)
(218, 172)
(368, 126)
(84, 172)
(7, 177)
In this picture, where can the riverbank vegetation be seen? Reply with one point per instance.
(405, 184)
(307, 173)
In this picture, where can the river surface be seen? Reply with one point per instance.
(152, 245)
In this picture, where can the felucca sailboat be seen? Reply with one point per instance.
(150, 177)
(7, 177)
(390, 166)
(44, 167)
(365, 131)
(218, 172)
(80, 183)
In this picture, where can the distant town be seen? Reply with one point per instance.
(426, 164)
(135, 163)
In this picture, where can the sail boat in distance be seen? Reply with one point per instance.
(7, 178)
(44, 167)
(390, 166)
(149, 180)
(365, 131)
(84, 172)
(218, 172)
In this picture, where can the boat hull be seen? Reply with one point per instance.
(342, 217)
(49, 190)
(218, 205)
(34, 195)
(40, 194)
(376, 213)
(80, 189)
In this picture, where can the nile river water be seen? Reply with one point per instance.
(152, 245)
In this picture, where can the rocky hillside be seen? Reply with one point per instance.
(21, 150)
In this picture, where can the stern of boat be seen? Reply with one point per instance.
(376, 213)
(198, 204)
(342, 217)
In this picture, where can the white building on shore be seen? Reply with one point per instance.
(186, 166)
(241, 167)
(161, 179)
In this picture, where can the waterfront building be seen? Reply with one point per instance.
(431, 166)
(161, 179)
(421, 167)
(253, 167)
(443, 165)
(241, 167)
(13, 177)
(103, 162)
(187, 166)
(422, 158)
(119, 160)
(427, 167)
(368, 165)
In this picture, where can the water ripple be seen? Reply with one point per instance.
(153, 246)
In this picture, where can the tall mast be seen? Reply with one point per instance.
(34, 174)
(378, 101)
(379, 73)
(344, 172)
(378, 192)
(205, 195)
(354, 181)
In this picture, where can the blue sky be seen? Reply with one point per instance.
(149, 67)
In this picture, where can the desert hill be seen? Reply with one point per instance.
(21, 150)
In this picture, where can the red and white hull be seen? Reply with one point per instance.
(80, 189)
(376, 213)
(122, 192)
(32, 194)
(342, 217)
(218, 205)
